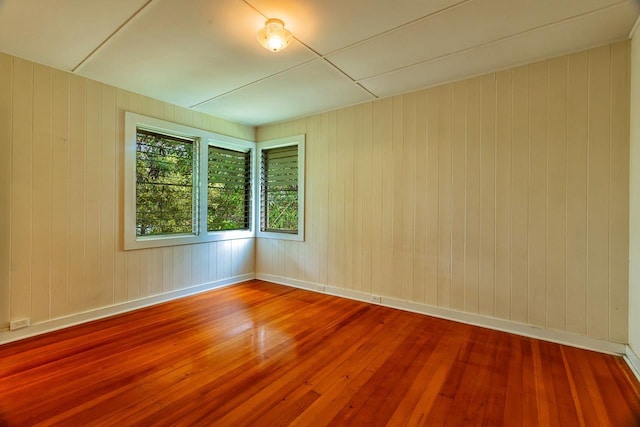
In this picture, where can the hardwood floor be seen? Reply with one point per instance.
(264, 354)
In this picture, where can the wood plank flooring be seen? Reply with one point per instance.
(263, 354)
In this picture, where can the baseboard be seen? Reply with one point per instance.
(100, 313)
(633, 360)
(559, 337)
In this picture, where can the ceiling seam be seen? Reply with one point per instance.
(397, 28)
(313, 51)
(490, 43)
(309, 48)
(105, 41)
(326, 60)
(253, 82)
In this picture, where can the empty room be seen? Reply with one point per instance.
(305, 212)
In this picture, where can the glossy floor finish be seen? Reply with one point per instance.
(264, 354)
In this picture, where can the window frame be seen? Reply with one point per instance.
(222, 141)
(202, 139)
(298, 140)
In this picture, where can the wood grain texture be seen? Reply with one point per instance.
(264, 354)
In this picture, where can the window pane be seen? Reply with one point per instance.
(229, 190)
(279, 186)
(164, 184)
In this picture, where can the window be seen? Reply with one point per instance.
(166, 169)
(229, 190)
(184, 185)
(281, 209)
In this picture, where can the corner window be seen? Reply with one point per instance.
(281, 171)
(184, 185)
(229, 189)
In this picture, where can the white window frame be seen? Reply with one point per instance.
(298, 140)
(203, 139)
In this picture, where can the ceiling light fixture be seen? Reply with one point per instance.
(274, 36)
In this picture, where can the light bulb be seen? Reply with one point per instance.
(274, 36)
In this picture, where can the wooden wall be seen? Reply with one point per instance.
(61, 192)
(504, 195)
(634, 211)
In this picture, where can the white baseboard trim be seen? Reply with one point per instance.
(633, 360)
(559, 337)
(100, 313)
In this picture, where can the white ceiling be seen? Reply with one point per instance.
(203, 54)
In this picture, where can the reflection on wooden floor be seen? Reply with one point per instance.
(265, 354)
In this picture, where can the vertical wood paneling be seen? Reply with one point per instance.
(167, 269)
(619, 188)
(420, 214)
(6, 65)
(60, 194)
(397, 225)
(63, 197)
(309, 262)
(92, 195)
(77, 167)
(598, 196)
(155, 287)
(155, 108)
(483, 190)
(357, 213)
(444, 196)
(341, 180)
(332, 204)
(346, 136)
(120, 261)
(556, 272)
(321, 223)
(133, 275)
(369, 194)
(290, 259)
(577, 137)
(41, 195)
(21, 188)
(377, 203)
(108, 170)
(146, 268)
(212, 256)
(537, 226)
(519, 196)
(431, 276)
(503, 195)
(458, 184)
(187, 265)
(243, 257)
(199, 262)
(408, 208)
(472, 198)
(487, 258)
(238, 259)
(387, 196)
(223, 260)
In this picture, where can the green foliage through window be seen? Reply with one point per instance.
(229, 190)
(165, 196)
(279, 188)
